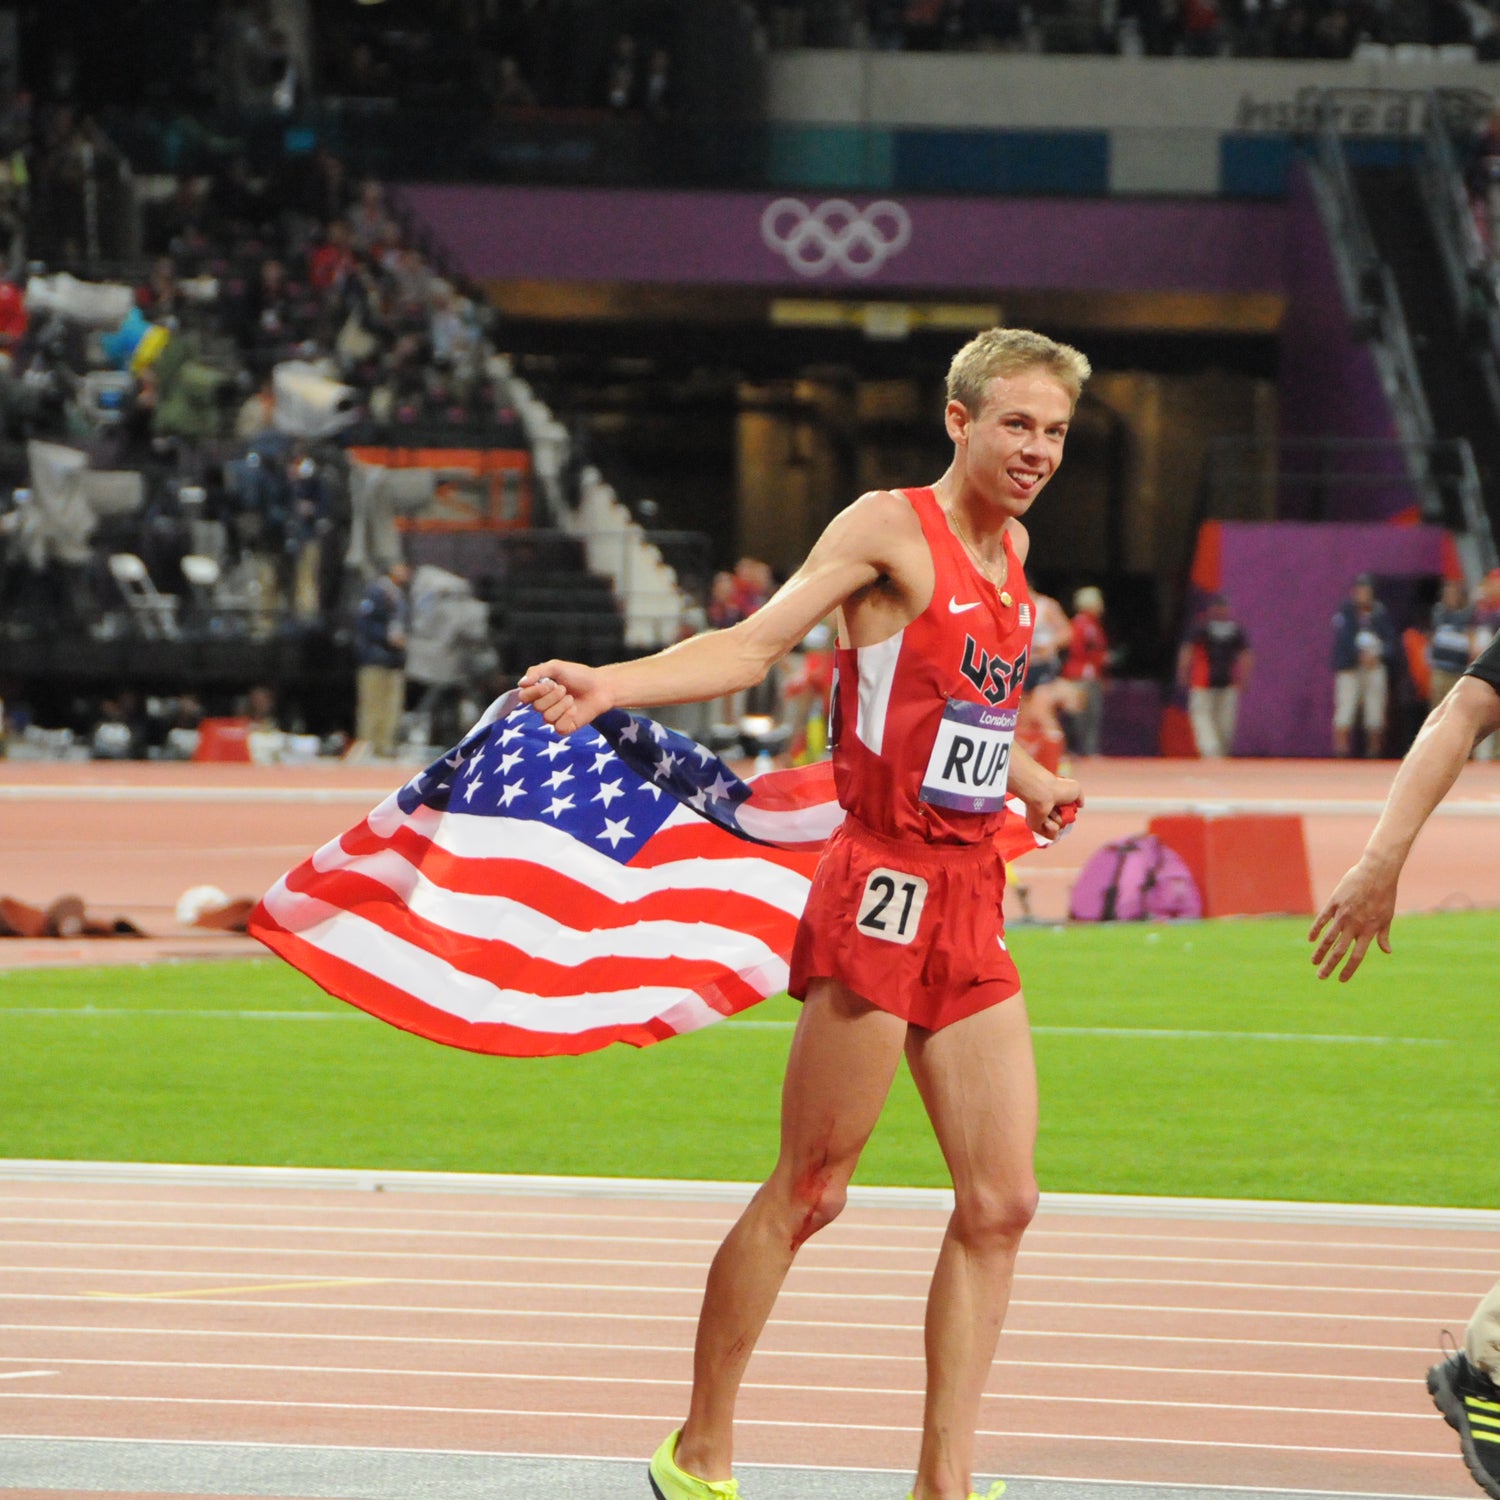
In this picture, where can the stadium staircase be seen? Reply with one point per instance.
(1445, 338)
(1409, 300)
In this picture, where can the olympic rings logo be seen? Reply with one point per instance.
(835, 233)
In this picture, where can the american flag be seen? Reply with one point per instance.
(531, 894)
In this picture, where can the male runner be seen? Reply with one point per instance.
(1361, 908)
(901, 944)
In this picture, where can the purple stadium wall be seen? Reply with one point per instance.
(1284, 582)
(1330, 386)
(969, 244)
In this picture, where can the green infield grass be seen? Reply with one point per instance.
(1203, 1059)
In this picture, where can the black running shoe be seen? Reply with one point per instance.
(1470, 1401)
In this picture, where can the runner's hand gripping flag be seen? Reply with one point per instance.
(530, 895)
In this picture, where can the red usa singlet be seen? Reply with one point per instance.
(923, 722)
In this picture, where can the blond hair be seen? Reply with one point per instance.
(1009, 351)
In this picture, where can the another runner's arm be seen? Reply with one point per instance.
(859, 546)
(1363, 904)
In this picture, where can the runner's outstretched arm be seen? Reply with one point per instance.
(1363, 903)
(860, 545)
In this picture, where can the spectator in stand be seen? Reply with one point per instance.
(160, 296)
(284, 88)
(308, 524)
(1087, 663)
(331, 258)
(14, 321)
(369, 220)
(723, 607)
(367, 76)
(1203, 33)
(510, 89)
(380, 651)
(257, 412)
(656, 90)
(753, 585)
(1364, 643)
(622, 78)
(272, 322)
(1046, 695)
(1213, 668)
(412, 278)
(1450, 645)
(450, 329)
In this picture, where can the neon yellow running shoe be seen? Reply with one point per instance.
(668, 1482)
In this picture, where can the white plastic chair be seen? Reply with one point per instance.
(154, 612)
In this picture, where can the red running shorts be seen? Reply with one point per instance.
(916, 929)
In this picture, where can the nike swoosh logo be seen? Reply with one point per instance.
(955, 608)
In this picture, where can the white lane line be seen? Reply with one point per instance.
(802, 1270)
(30, 1374)
(1173, 1034)
(1052, 1436)
(822, 1257)
(682, 1382)
(602, 1190)
(1178, 1034)
(88, 1330)
(1459, 1312)
(817, 1256)
(691, 1285)
(849, 1229)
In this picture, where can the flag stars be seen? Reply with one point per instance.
(473, 787)
(558, 806)
(513, 789)
(556, 748)
(602, 759)
(608, 791)
(559, 778)
(615, 830)
(719, 789)
(631, 731)
(658, 732)
(513, 733)
(510, 760)
(665, 766)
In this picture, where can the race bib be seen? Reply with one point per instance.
(891, 907)
(970, 761)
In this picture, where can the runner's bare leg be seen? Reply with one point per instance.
(842, 1060)
(978, 1080)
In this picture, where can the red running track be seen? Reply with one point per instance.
(1142, 1346)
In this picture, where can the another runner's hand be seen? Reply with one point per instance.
(1359, 911)
(566, 694)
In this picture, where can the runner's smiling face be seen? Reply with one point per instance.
(1013, 444)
